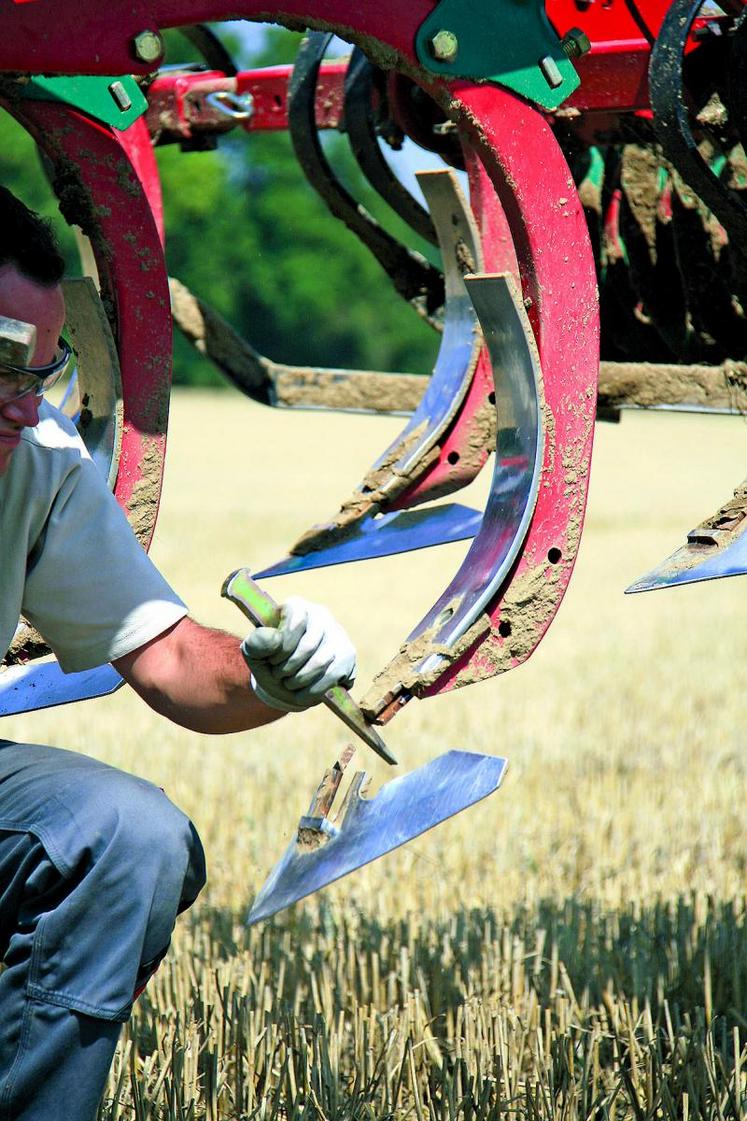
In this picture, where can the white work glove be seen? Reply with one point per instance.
(293, 665)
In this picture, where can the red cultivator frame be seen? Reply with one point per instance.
(518, 366)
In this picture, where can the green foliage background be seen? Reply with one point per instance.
(247, 233)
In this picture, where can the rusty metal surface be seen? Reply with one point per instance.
(679, 388)
(179, 108)
(293, 387)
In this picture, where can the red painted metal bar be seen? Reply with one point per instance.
(614, 80)
(555, 262)
(100, 191)
(269, 88)
(55, 36)
(179, 108)
(610, 20)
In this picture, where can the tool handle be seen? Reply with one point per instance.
(262, 610)
(259, 607)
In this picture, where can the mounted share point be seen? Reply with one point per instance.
(325, 849)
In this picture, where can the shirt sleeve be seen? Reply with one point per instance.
(91, 588)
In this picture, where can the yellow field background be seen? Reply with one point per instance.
(625, 734)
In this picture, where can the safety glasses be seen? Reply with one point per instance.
(21, 381)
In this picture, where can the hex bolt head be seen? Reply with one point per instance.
(575, 43)
(444, 45)
(147, 46)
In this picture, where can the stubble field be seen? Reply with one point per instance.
(575, 946)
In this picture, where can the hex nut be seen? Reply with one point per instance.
(575, 43)
(444, 45)
(147, 46)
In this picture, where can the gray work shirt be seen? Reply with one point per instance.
(69, 560)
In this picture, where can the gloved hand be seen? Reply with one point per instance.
(293, 665)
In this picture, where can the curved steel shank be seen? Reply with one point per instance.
(96, 401)
(406, 457)
(513, 495)
(518, 460)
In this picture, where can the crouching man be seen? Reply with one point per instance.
(95, 864)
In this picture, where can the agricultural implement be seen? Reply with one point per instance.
(593, 177)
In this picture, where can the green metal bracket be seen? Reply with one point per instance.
(509, 42)
(116, 102)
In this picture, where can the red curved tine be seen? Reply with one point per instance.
(137, 143)
(558, 281)
(100, 191)
(556, 268)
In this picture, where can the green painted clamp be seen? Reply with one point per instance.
(509, 42)
(116, 102)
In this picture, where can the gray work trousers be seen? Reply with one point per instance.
(95, 865)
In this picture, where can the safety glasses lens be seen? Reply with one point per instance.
(16, 381)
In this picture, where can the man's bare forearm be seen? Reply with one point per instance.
(196, 677)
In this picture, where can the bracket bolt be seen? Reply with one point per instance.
(444, 45)
(575, 43)
(121, 96)
(551, 72)
(147, 46)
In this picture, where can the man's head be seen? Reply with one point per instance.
(31, 268)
